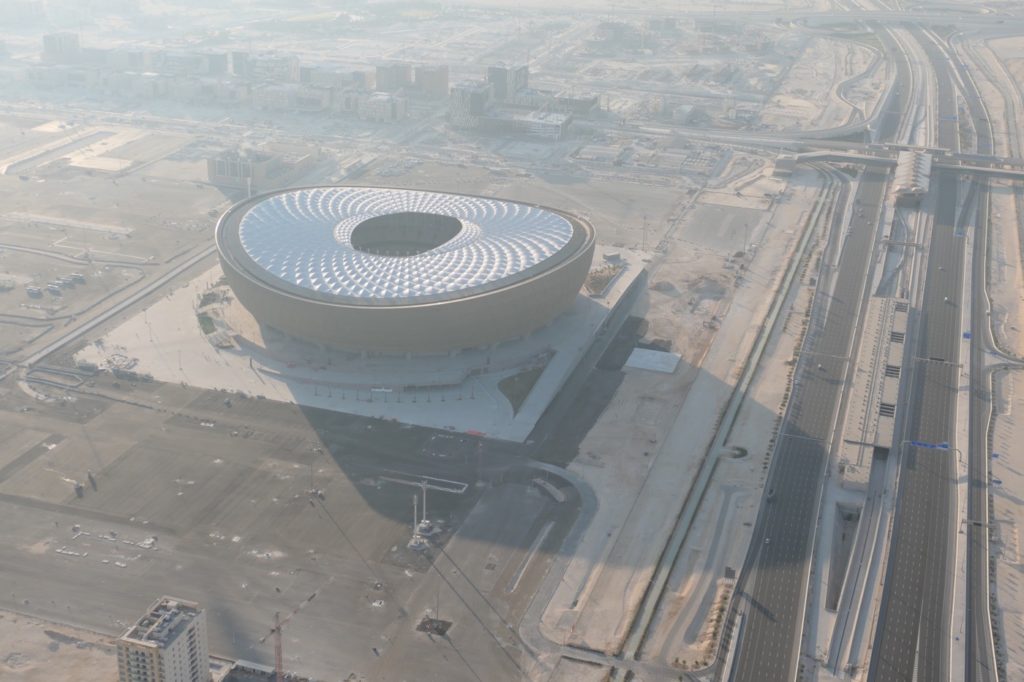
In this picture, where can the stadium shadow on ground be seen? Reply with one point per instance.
(369, 450)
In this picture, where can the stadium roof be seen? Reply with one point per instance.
(304, 238)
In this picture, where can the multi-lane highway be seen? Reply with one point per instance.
(980, 658)
(774, 581)
(913, 622)
(774, 586)
(900, 105)
(912, 637)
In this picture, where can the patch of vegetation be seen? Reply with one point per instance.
(206, 323)
(208, 298)
(518, 386)
(599, 279)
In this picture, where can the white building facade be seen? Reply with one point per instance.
(168, 644)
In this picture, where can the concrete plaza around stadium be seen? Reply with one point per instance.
(166, 342)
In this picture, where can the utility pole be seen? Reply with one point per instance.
(423, 486)
(312, 457)
(278, 654)
(479, 458)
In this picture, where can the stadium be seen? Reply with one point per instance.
(398, 271)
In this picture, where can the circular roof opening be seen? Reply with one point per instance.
(404, 234)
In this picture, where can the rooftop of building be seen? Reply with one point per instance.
(534, 116)
(473, 85)
(167, 618)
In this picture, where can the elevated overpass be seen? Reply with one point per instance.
(886, 156)
(814, 18)
(994, 168)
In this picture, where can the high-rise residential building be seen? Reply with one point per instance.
(394, 76)
(272, 67)
(506, 81)
(167, 644)
(469, 100)
(60, 48)
(432, 81)
(240, 64)
(382, 107)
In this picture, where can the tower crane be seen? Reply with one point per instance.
(275, 632)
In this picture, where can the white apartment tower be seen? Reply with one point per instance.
(168, 644)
